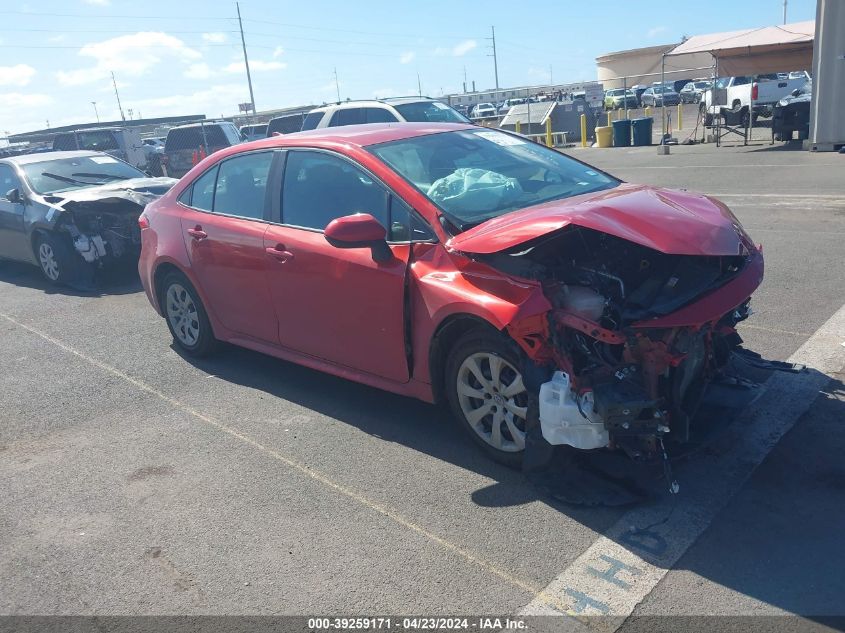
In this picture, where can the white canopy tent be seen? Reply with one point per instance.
(769, 49)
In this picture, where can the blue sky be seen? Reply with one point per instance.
(185, 57)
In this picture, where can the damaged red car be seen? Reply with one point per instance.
(538, 296)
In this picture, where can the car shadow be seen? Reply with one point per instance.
(783, 146)
(120, 278)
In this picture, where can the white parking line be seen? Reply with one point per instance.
(622, 567)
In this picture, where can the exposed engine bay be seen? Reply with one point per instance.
(102, 222)
(611, 379)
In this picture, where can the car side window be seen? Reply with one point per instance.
(312, 120)
(379, 115)
(202, 196)
(348, 116)
(242, 185)
(405, 225)
(8, 180)
(319, 188)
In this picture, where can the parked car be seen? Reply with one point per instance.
(393, 110)
(71, 212)
(546, 298)
(253, 132)
(620, 98)
(658, 95)
(759, 93)
(792, 114)
(483, 111)
(692, 91)
(121, 142)
(187, 144)
(285, 124)
(153, 149)
(509, 103)
(638, 91)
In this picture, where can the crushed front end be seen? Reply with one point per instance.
(632, 338)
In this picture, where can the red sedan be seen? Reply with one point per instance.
(535, 294)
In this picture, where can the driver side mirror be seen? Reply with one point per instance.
(360, 230)
(14, 196)
(796, 92)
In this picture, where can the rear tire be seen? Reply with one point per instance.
(186, 317)
(486, 393)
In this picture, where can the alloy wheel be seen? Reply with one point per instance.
(494, 400)
(47, 259)
(182, 314)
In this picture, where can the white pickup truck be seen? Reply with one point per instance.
(760, 93)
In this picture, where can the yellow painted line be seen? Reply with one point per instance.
(528, 587)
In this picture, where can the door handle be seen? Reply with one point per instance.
(197, 233)
(278, 251)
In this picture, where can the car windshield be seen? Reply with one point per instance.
(429, 112)
(476, 175)
(65, 174)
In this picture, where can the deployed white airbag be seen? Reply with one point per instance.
(474, 191)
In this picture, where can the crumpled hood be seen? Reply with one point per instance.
(137, 190)
(669, 221)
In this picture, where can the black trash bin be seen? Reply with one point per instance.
(622, 133)
(642, 131)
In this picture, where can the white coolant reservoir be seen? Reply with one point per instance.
(561, 420)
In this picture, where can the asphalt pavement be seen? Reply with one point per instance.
(136, 481)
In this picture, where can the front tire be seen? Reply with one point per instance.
(55, 259)
(186, 317)
(487, 395)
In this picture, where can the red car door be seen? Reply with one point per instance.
(336, 304)
(224, 235)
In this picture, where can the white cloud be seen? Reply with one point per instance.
(134, 55)
(255, 65)
(214, 38)
(278, 52)
(218, 98)
(407, 58)
(20, 100)
(18, 75)
(197, 71)
(464, 47)
(457, 51)
(657, 30)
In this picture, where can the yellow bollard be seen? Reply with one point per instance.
(549, 141)
(583, 130)
(609, 118)
(519, 127)
(647, 112)
(679, 117)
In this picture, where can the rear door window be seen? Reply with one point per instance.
(202, 196)
(379, 115)
(348, 116)
(242, 185)
(64, 142)
(99, 141)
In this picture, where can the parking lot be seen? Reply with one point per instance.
(137, 481)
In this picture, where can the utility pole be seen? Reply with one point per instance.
(419, 84)
(337, 84)
(246, 59)
(552, 77)
(784, 11)
(465, 78)
(119, 107)
(495, 59)
(97, 114)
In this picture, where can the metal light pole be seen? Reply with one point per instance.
(495, 58)
(97, 114)
(119, 107)
(246, 59)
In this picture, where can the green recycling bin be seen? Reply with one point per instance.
(642, 131)
(622, 133)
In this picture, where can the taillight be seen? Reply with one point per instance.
(754, 92)
(143, 222)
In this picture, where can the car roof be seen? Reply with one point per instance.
(205, 123)
(357, 135)
(368, 103)
(27, 159)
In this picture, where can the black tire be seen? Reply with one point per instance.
(477, 344)
(203, 343)
(56, 260)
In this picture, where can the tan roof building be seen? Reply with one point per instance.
(642, 66)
